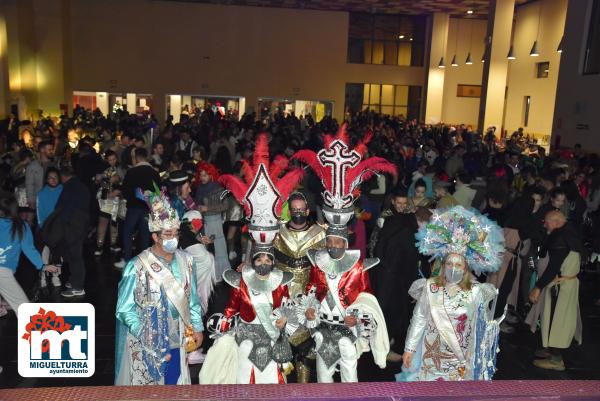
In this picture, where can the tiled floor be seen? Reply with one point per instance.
(514, 361)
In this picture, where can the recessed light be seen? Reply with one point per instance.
(401, 37)
(410, 39)
(469, 11)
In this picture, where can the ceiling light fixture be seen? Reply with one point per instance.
(468, 61)
(511, 53)
(560, 45)
(534, 49)
(454, 63)
(441, 64)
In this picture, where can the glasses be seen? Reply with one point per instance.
(169, 236)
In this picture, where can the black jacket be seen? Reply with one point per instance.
(74, 200)
(141, 176)
(558, 245)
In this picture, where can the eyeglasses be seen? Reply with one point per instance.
(169, 236)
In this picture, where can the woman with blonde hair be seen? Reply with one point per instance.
(452, 335)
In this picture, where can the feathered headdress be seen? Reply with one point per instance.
(261, 191)
(342, 170)
(162, 215)
(465, 232)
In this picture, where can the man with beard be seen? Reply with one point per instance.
(399, 268)
(291, 245)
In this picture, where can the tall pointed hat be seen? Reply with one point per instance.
(262, 190)
(342, 169)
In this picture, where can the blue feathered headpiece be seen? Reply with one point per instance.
(465, 232)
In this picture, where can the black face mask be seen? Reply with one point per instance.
(299, 219)
(263, 269)
(336, 253)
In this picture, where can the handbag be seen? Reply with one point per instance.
(21, 196)
(122, 209)
(282, 350)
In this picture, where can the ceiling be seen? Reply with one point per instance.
(411, 7)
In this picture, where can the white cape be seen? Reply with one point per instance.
(379, 343)
(221, 363)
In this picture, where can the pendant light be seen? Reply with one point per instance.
(468, 61)
(441, 64)
(454, 63)
(560, 45)
(534, 49)
(511, 53)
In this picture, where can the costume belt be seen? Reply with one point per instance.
(293, 264)
(560, 279)
(329, 350)
(331, 318)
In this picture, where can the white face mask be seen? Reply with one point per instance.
(454, 269)
(454, 275)
(170, 245)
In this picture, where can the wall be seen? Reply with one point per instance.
(522, 79)
(577, 94)
(163, 47)
(180, 47)
(470, 34)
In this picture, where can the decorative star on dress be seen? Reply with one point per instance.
(433, 352)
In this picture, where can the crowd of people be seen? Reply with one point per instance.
(182, 209)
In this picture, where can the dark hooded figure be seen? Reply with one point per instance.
(399, 268)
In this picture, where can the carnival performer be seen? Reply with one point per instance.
(259, 300)
(291, 245)
(452, 335)
(159, 317)
(346, 319)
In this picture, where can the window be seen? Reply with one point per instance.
(526, 107)
(386, 39)
(393, 100)
(468, 91)
(591, 64)
(542, 69)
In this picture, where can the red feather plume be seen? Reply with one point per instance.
(354, 175)
(261, 152)
(287, 184)
(280, 163)
(247, 171)
(367, 169)
(361, 148)
(284, 185)
(237, 187)
(309, 157)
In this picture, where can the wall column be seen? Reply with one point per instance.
(435, 76)
(4, 92)
(495, 70)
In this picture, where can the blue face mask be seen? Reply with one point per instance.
(170, 245)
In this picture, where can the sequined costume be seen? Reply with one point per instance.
(256, 302)
(149, 325)
(443, 332)
(336, 284)
(291, 247)
(453, 334)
